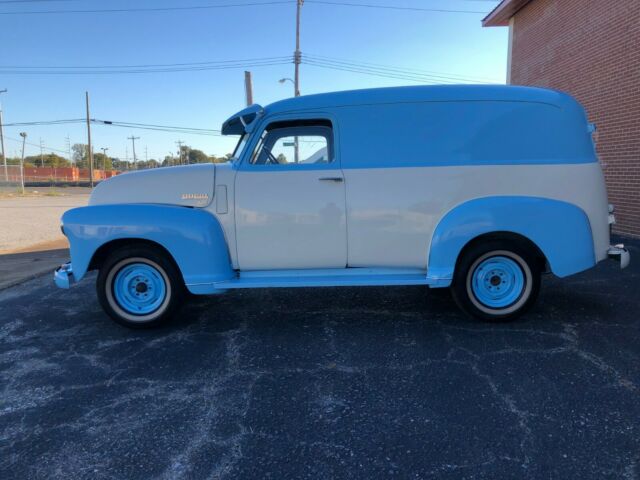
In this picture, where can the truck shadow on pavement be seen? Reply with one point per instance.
(16, 268)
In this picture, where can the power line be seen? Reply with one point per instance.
(391, 7)
(155, 65)
(35, 145)
(144, 126)
(384, 74)
(45, 122)
(149, 70)
(396, 70)
(149, 9)
(109, 122)
(161, 128)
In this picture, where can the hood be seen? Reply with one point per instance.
(188, 186)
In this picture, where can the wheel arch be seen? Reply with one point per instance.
(192, 238)
(100, 255)
(512, 238)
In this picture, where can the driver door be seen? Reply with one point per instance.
(290, 200)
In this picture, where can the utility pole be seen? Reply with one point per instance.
(69, 147)
(146, 155)
(133, 142)
(297, 56)
(4, 158)
(41, 153)
(104, 159)
(179, 143)
(89, 148)
(248, 88)
(24, 140)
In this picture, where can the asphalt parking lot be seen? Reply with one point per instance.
(324, 383)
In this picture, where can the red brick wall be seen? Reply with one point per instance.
(591, 49)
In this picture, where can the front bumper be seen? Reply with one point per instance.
(620, 254)
(63, 276)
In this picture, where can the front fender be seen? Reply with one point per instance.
(560, 230)
(192, 236)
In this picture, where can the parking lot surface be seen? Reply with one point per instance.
(324, 383)
(33, 219)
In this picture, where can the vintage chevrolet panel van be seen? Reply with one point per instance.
(477, 188)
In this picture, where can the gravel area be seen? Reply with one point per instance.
(30, 220)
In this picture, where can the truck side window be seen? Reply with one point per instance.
(290, 143)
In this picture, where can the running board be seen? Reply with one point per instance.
(339, 277)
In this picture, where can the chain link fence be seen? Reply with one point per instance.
(12, 177)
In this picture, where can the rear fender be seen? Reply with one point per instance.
(193, 237)
(560, 230)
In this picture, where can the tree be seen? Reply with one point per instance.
(79, 155)
(102, 161)
(117, 164)
(50, 160)
(198, 156)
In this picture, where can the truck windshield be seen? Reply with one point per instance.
(239, 147)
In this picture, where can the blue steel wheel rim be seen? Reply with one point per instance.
(498, 282)
(139, 289)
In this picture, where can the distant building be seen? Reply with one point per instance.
(590, 49)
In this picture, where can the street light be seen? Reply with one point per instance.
(285, 80)
(24, 140)
(104, 160)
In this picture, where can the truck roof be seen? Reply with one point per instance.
(426, 93)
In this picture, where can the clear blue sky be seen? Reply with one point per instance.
(449, 43)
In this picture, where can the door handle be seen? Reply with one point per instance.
(331, 179)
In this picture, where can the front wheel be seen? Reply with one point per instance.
(497, 281)
(139, 287)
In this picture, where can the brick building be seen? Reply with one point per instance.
(590, 49)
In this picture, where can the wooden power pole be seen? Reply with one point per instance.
(248, 88)
(4, 157)
(133, 142)
(89, 147)
(297, 57)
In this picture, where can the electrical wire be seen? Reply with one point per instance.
(395, 70)
(25, 71)
(156, 65)
(413, 78)
(150, 9)
(37, 145)
(159, 128)
(390, 7)
(45, 122)
(109, 122)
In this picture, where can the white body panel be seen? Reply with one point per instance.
(393, 212)
(290, 219)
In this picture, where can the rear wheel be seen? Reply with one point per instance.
(497, 281)
(140, 287)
